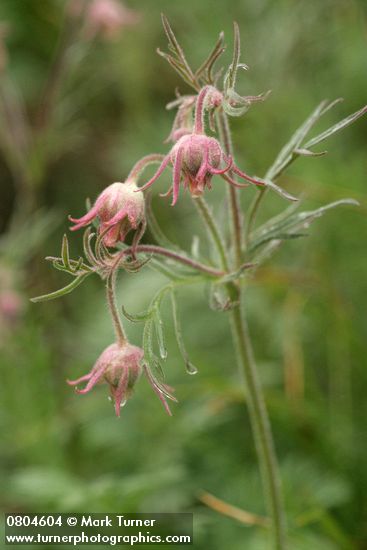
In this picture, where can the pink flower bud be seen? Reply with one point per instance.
(108, 17)
(195, 157)
(198, 155)
(118, 207)
(120, 366)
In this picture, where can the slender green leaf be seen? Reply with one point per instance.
(336, 127)
(190, 368)
(279, 190)
(150, 357)
(87, 247)
(234, 111)
(177, 66)
(58, 293)
(290, 225)
(78, 265)
(158, 325)
(174, 44)
(178, 59)
(65, 251)
(276, 237)
(74, 265)
(230, 77)
(137, 317)
(207, 66)
(285, 155)
(303, 152)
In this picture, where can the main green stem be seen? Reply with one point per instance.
(254, 396)
(259, 421)
(209, 221)
(235, 207)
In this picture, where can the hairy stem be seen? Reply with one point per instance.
(111, 300)
(236, 216)
(213, 230)
(257, 408)
(200, 109)
(254, 395)
(251, 216)
(160, 251)
(260, 423)
(138, 168)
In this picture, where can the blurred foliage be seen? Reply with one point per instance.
(63, 452)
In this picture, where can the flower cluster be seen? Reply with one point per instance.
(200, 150)
(195, 157)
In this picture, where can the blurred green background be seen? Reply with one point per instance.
(62, 452)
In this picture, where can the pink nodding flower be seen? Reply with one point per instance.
(117, 207)
(120, 366)
(196, 158)
(108, 17)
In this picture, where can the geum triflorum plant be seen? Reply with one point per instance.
(200, 157)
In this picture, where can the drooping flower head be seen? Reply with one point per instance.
(119, 208)
(196, 157)
(120, 366)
